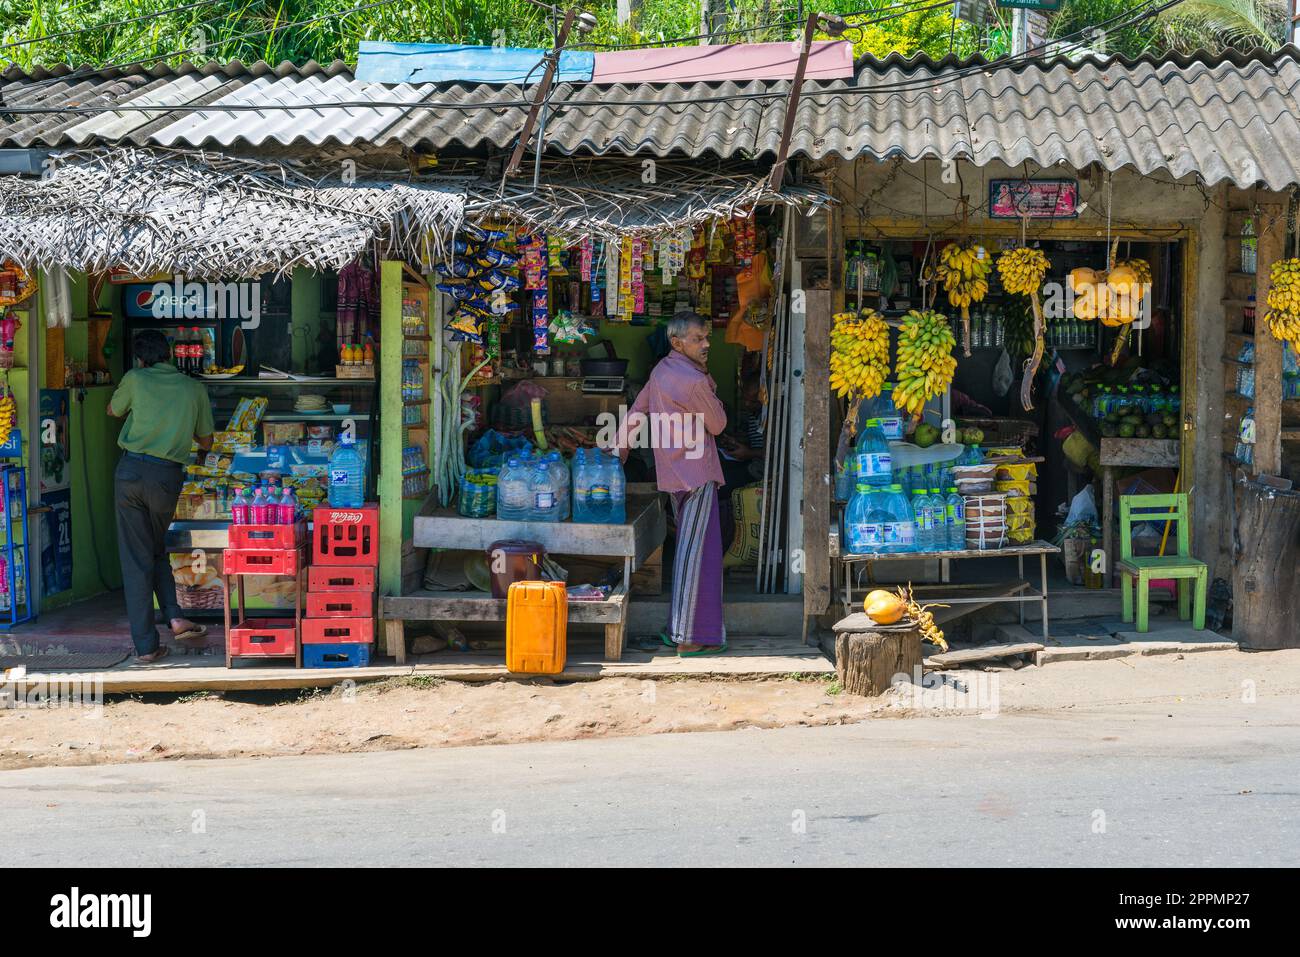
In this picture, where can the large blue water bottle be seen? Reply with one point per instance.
(346, 473)
(872, 458)
(544, 499)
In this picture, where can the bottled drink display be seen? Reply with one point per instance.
(904, 533)
(599, 488)
(239, 514)
(346, 474)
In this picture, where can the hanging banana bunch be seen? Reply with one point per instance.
(859, 354)
(1022, 270)
(925, 363)
(963, 270)
(8, 412)
(1283, 314)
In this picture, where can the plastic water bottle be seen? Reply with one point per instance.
(956, 507)
(544, 501)
(560, 478)
(872, 457)
(939, 511)
(600, 503)
(924, 520)
(239, 508)
(617, 482)
(580, 483)
(861, 535)
(904, 521)
(259, 508)
(512, 491)
(288, 508)
(345, 473)
(884, 410)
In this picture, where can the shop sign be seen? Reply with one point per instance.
(1033, 198)
(55, 440)
(177, 299)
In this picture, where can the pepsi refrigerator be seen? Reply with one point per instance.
(240, 322)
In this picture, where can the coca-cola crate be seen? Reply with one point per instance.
(345, 536)
(269, 536)
(340, 604)
(263, 561)
(264, 638)
(327, 578)
(335, 656)
(338, 631)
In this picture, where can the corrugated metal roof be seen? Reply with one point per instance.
(1234, 116)
(265, 124)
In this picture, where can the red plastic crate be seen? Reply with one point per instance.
(341, 604)
(263, 637)
(327, 578)
(263, 561)
(345, 536)
(268, 536)
(338, 631)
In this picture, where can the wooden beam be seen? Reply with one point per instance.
(792, 106)
(390, 427)
(543, 89)
(817, 504)
(1271, 246)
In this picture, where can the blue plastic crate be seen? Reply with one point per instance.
(349, 655)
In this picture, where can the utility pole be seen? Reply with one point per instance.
(1020, 30)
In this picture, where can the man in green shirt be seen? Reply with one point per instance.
(165, 411)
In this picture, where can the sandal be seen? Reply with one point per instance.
(162, 652)
(663, 636)
(703, 650)
(194, 631)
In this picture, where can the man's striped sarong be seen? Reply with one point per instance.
(695, 615)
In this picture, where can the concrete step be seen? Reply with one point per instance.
(755, 616)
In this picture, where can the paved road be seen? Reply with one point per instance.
(1201, 784)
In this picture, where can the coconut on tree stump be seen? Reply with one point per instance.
(868, 657)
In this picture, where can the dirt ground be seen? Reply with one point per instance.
(421, 712)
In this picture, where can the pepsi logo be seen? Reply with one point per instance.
(144, 297)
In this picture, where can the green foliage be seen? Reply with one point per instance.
(934, 31)
(1130, 41)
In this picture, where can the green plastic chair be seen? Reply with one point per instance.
(1190, 575)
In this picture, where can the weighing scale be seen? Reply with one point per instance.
(604, 384)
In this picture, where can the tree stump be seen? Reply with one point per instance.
(868, 656)
(1266, 567)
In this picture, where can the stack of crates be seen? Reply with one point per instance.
(264, 550)
(339, 628)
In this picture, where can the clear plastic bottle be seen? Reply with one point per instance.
(512, 491)
(288, 507)
(956, 508)
(904, 538)
(617, 482)
(239, 508)
(579, 484)
(939, 520)
(544, 501)
(872, 458)
(560, 476)
(346, 473)
(259, 508)
(858, 531)
(924, 519)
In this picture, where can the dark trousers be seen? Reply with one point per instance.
(145, 494)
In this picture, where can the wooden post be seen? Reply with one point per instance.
(1271, 246)
(816, 453)
(1266, 569)
(390, 428)
(869, 656)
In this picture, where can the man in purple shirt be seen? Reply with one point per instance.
(678, 414)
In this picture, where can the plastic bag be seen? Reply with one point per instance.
(1002, 375)
(1082, 508)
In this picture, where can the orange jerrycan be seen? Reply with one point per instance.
(537, 619)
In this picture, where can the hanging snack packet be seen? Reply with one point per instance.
(481, 235)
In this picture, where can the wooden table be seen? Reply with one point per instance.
(634, 542)
(1128, 453)
(1018, 592)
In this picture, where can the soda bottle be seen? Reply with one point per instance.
(288, 508)
(239, 508)
(259, 508)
